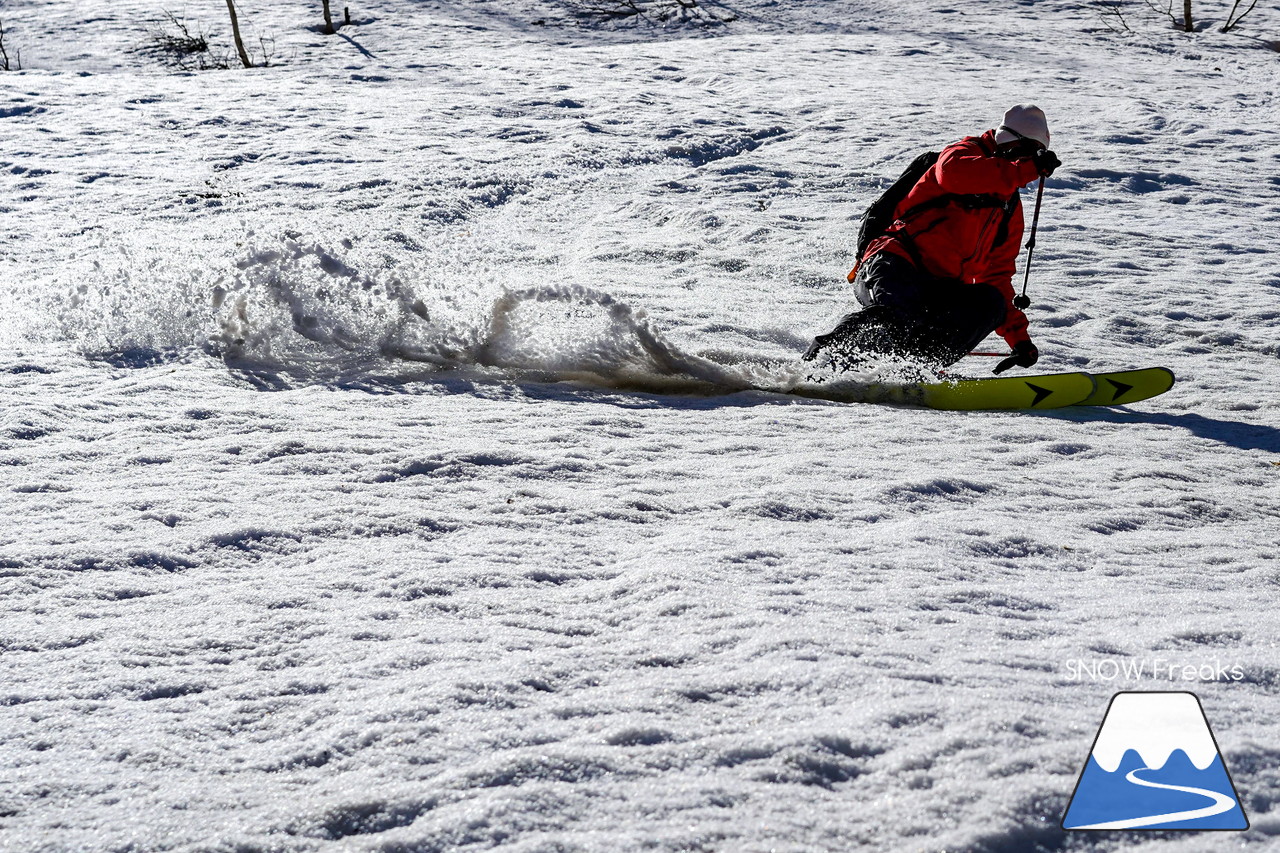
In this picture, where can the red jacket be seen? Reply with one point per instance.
(956, 240)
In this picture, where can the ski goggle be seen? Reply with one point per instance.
(1026, 142)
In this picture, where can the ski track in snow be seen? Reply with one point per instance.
(346, 508)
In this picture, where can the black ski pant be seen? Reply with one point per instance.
(910, 313)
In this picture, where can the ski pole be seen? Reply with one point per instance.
(1023, 302)
(992, 354)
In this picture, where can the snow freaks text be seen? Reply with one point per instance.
(1156, 669)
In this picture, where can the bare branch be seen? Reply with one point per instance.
(612, 8)
(1165, 8)
(1112, 17)
(173, 40)
(268, 46)
(650, 10)
(4, 55)
(1233, 20)
(235, 32)
(176, 37)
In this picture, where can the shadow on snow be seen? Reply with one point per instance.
(691, 396)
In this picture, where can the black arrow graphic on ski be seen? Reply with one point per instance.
(1121, 389)
(1041, 393)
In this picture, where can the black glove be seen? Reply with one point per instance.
(1024, 354)
(1046, 161)
(818, 345)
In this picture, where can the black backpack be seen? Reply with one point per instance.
(879, 216)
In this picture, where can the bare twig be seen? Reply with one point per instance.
(1165, 8)
(175, 43)
(613, 8)
(268, 46)
(4, 55)
(328, 19)
(1112, 17)
(176, 37)
(1234, 20)
(649, 10)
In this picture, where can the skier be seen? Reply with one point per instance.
(939, 279)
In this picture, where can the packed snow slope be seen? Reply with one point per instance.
(374, 477)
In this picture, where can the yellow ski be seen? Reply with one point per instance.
(1046, 391)
(1049, 391)
(1129, 386)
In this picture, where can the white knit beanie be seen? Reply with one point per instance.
(1027, 120)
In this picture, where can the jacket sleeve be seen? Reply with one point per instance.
(1014, 329)
(964, 168)
(999, 274)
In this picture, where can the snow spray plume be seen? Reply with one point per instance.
(295, 310)
(625, 351)
(119, 298)
(301, 309)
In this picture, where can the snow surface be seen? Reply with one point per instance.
(373, 478)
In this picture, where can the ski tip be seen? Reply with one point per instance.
(1119, 388)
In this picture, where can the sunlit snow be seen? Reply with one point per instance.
(377, 474)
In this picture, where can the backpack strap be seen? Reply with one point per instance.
(1002, 233)
(968, 201)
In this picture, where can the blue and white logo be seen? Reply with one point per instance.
(1155, 765)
